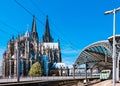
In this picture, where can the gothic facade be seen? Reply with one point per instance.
(26, 49)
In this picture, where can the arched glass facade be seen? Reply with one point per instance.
(98, 55)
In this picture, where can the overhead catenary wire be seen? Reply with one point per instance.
(6, 32)
(35, 5)
(9, 26)
(28, 11)
(23, 7)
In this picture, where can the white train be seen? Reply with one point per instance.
(105, 74)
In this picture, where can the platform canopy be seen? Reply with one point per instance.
(96, 55)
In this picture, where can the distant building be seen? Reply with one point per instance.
(29, 50)
(59, 69)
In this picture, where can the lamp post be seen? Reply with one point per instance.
(114, 48)
(73, 71)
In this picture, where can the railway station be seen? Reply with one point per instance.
(98, 56)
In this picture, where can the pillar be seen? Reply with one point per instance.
(61, 71)
(10, 68)
(67, 71)
(27, 63)
(73, 71)
(18, 64)
(86, 72)
(3, 69)
(22, 64)
(91, 72)
(117, 68)
(15, 68)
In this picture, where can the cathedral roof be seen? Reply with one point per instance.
(59, 65)
(51, 45)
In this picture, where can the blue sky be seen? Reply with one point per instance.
(77, 23)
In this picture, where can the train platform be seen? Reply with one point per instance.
(105, 83)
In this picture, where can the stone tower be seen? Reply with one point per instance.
(29, 50)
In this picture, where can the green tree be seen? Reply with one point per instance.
(36, 70)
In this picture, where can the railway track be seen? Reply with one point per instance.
(91, 83)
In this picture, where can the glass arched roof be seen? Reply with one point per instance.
(96, 55)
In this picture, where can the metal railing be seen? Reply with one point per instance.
(27, 79)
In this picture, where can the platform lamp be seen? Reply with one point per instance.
(114, 48)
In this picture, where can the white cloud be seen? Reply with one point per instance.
(70, 51)
(69, 63)
(69, 59)
(69, 55)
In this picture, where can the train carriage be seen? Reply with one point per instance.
(105, 74)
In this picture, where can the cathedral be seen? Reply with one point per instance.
(25, 50)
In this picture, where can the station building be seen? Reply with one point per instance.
(98, 56)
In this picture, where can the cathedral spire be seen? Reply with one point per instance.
(34, 33)
(34, 24)
(47, 36)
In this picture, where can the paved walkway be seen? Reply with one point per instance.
(106, 83)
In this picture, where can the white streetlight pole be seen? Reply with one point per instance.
(114, 42)
(114, 49)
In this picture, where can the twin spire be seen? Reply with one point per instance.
(34, 33)
(46, 36)
(34, 24)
